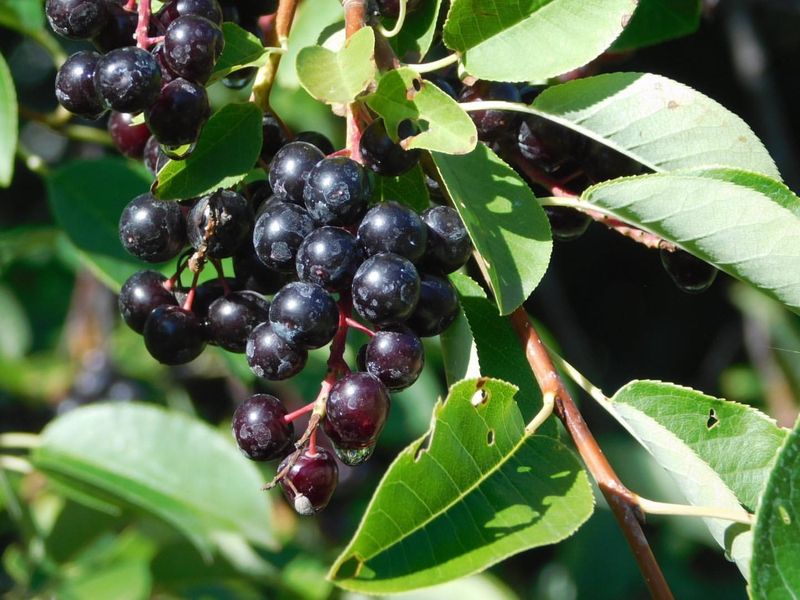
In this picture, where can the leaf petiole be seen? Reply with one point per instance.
(708, 512)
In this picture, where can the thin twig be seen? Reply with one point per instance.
(276, 36)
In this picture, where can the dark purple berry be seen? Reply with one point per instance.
(273, 137)
(396, 358)
(392, 227)
(232, 318)
(206, 294)
(567, 224)
(337, 192)
(449, 246)
(179, 113)
(173, 335)
(270, 357)
(492, 124)
(304, 315)
(167, 74)
(329, 256)
(383, 155)
(221, 221)
(386, 289)
(531, 146)
(140, 295)
(437, 307)
(691, 274)
(128, 79)
(210, 9)
(290, 169)
(317, 139)
(75, 87)
(280, 229)
(254, 275)
(152, 230)
(192, 46)
(154, 156)
(119, 31)
(129, 139)
(260, 429)
(76, 19)
(356, 412)
(310, 481)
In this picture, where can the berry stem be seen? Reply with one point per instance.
(299, 412)
(277, 36)
(187, 304)
(401, 18)
(312, 443)
(336, 362)
(434, 65)
(130, 5)
(352, 323)
(221, 275)
(355, 12)
(142, 28)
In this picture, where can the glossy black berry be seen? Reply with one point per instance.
(210, 9)
(75, 87)
(559, 142)
(154, 157)
(119, 31)
(77, 19)
(179, 113)
(206, 294)
(232, 318)
(689, 273)
(129, 139)
(128, 79)
(492, 124)
(140, 295)
(317, 139)
(567, 224)
(221, 221)
(254, 275)
(386, 289)
(329, 256)
(337, 192)
(449, 246)
(396, 358)
(173, 335)
(356, 412)
(273, 137)
(167, 74)
(280, 229)
(260, 429)
(392, 227)
(272, 358)
(437, 307)
(383, 155)
(310, 481)
(192, 46)
(304, 315)
(290, 169)
(152, 230)
(531, 145)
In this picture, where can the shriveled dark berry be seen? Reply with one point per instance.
(310, 481)
(437, 307)
(449, 246)
(179, 113)
(77, 19)
(386, 289)
(383, 155)
(392, 227)
(337, 192)
(290, 169)
(173, 335)
(260, 429)
(396, 358)
(221, 221)
(691, 274)
(192, 46)
(280, 229)
(128, 79)
(140, 295)
(75, 87)
(129, 139)
(304, 315)
(152, 230)
(329, 256)
(272, 358)
(232, 318)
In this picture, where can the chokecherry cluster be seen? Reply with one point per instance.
(312, 239)
(153, 64)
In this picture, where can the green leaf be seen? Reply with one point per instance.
(657, 21)
(720, 453)
(8, 124)
(656, 121)
(242, 49)
(526, 40)
(402, 95)
(419, 28)
(163, 463)
(775, 572)
(743, 223)
(226, 152)
(26, 16)
(338, 77)
(87, 198)
(500, 355)
(504, 220)
(482, 489)
(408, 188)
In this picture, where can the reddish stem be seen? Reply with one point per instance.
(187, 304)
(130, 6)
(299, 412)
(221, 275)
(312, 443)
(336, 362)
(142, 28)
(359, 327)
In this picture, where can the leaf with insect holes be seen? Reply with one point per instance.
(402, 95)
(505, 222)
(478, 488)
(225, 154)
(527, 40)
(338, 77)
(775, 572)
(720, 453)
(242, 50)
(743, 223)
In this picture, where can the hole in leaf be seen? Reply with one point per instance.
(784, 514)
(422, 448)
(417, 83)
(479, 398)
(490, 437)
(713, 421)
(350, 568)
